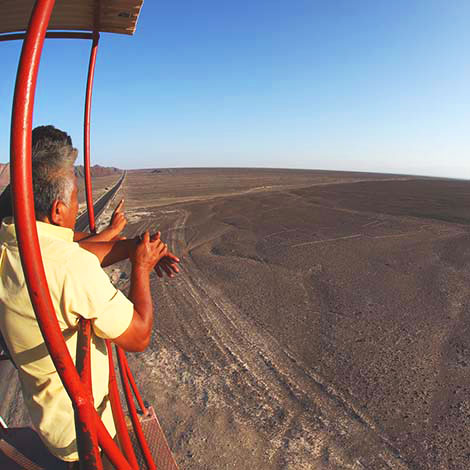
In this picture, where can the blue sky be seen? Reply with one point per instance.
(335, 84)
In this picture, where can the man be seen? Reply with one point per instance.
(42, 138)
(79, 289)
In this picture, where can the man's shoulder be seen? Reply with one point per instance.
(67, 255)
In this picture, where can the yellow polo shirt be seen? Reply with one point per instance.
(79, 288)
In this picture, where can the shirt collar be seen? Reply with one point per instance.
(8, 232)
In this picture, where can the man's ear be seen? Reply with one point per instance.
(56, 213)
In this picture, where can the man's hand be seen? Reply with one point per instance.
(168, 264)
(118, 220)
(148, 252)
(110, 233)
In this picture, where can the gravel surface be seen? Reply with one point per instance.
(319, 321)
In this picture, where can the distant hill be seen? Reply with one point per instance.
(4, 174)
(96, 170)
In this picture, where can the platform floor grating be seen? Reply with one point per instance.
(157, 442)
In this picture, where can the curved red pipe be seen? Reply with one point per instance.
(133, 412)
(127, 377)
(49, 35)
(118, 413)
(86, 133)
(90, 428)
(83, 354)
(134, 387)
(25, 222)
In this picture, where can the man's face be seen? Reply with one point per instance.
(71, 210)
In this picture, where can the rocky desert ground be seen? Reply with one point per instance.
(320, 319)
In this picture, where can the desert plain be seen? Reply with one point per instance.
(320, 319)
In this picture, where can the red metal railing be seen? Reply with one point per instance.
(86, 132)
(118, 414)
(126, 375)
(134, 388)
(25, 220)
(124, 368)
(91, 432)
(49, 35)
(90, 429)
(83, 356)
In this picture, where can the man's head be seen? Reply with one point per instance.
(42, 135)
(54, 182)
(47, 140)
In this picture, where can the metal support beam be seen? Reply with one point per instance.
(25, 222)
(133, 412)
(83, 356)
(137, 395)
(86, 133)
(118, 413)
(90, 429)
(49, 35)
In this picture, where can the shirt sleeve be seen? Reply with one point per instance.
(88, 293)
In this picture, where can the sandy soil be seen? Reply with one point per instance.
(319, 322)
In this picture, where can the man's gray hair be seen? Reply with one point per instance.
(53, 174)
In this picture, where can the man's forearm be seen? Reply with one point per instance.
(141, 297)
(109, 252)
(78, 236)
(148, 253)
(105, 235)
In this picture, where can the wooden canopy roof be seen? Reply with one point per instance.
(110, 16)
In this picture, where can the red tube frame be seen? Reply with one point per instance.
(49, 35)
(133, 412)
(134, 388)
(83, 355)
(118, 413)
(86, 132)
(92, 224)
(25, 221)
(119, 417)
(90, 428)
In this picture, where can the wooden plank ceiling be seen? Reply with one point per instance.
(112, 16)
